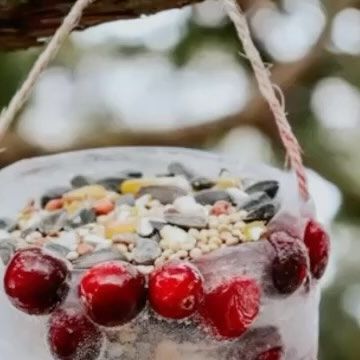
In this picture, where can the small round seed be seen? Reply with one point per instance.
(213, 246)
(224, 227)
(194, 232)
(122, 248)
(239, 225)
(72, 255)
(167, 253)
(215, 240)
(204, 248)
(159, 261)
(182, 254)
(195, 253)
(213, 232)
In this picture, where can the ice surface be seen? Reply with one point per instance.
(291, 322)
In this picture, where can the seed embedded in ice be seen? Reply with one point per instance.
(318, 244)
(73, 337)
(232, 307)
(202, 183)
(291, 263)
(175, 290)
(53, 194)
(103, 207)
(54, 204)
(166, 194)
(210, 197)
(113, 293)
(221, 207)
(35, 282)
(272, 354)
(270, 187)
(79, 181)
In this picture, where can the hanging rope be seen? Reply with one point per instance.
(22, 95)
(267, 89)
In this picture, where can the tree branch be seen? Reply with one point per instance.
(22, 23)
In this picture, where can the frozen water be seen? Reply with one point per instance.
(287, 321)
(21, 336)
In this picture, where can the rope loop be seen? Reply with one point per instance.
(261, 71)
(269, 90)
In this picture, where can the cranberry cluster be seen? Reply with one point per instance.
(113, 293)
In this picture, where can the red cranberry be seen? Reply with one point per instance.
(232, 307)
(290, 266)
(73, 337)
(272, 354)
(36, 282)
(175, 290)
(318, 243)
(113, 293)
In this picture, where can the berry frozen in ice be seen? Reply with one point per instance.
(113, 293)
(290, 265)
(232, 306)
(36, 282)
(275, 353)
(71, 336)
(175, 290)
(317, 241)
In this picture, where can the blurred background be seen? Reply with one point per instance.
(179, 78)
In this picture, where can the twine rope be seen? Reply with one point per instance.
(262, 75)
(268, 90)
(22, 95)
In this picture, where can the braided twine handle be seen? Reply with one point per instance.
(262, 75)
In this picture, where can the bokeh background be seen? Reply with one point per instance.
(179, 78)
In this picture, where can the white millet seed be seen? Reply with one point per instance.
(167, 253)
(203, 235)
(159, 261)
(129, 256)
(239, 225)
(213, 222)
(215, 240)
(233, 217)
(238, 233)
(194, 232)
(182, 254)
(231, 240)
(204, 248)
(122, 248)
(164, 244)
(225, 235)
(195, 253)
(213, 246)
(224, 227)
(213, 232)
(223, 219)
(72, 255)
(174, 257)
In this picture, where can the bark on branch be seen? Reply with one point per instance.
(24, 23)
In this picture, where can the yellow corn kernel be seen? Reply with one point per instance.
(133, 186)
(225, 182)
(119, 228)
(72, 206)
(93, 192)
(254, 230)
